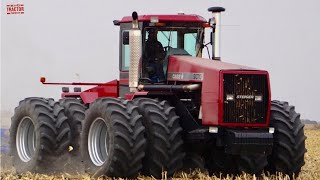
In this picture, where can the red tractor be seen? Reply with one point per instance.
(170, 110)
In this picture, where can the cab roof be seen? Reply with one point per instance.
(166, 18)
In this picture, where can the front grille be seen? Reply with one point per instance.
(245, 90)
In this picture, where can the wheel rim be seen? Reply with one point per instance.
(98, 142)
(25, 139)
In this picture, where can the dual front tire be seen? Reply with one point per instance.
(112, 139)
(289, 140)
(122, 138)
(164, 137)
(287, 153)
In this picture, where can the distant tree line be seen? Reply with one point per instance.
(307, 121)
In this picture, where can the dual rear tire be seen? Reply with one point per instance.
(74, 110)
(113, 139)
(39, 132)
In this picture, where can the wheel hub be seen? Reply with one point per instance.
(98, 142)
(25, 139)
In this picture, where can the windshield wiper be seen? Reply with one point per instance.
(202, 46)
(165, 35)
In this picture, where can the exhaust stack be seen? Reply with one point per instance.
(215, 23)
(135, 41)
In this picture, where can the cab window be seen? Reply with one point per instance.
(190, 43)
(178, 41)
(125, 54)
(165, 36)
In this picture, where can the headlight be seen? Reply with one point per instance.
(230, 97)
(271, 130)
(213, 129)
(258, 98)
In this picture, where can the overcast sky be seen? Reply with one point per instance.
(59, 39)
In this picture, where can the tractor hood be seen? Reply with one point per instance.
(188, 64)
(209, 73)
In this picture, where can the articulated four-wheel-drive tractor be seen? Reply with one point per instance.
(170, 110)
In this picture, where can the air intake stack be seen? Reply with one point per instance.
(135, 41)
(215, 22)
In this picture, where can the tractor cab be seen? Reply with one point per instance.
(161, 42)
(161, 36)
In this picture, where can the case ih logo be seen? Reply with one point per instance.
(245, 97)
(15, 9)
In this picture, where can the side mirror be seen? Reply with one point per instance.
(125, 38)
(212, 24)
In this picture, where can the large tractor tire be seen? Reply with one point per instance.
(252, 164)
(112, 139)
(63, 138)
(164, 137)
(38, 133)
(75, 112)
(289, 140)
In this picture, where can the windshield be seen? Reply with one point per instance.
(176, 40)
